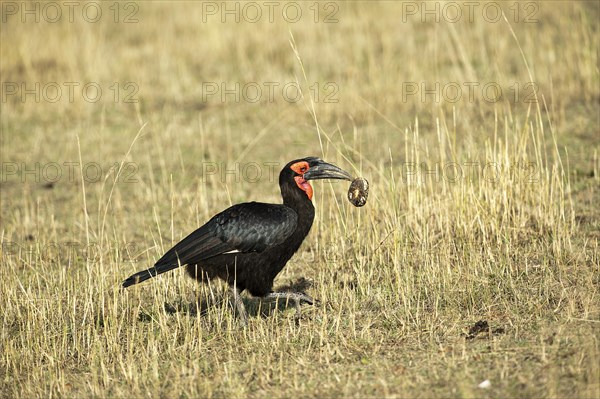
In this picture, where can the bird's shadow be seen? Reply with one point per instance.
(255, 306)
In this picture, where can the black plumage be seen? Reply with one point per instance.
(248, 244)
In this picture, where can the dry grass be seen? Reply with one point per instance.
(401, 281)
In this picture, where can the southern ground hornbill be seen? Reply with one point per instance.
(248, 244)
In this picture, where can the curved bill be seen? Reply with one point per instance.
(324, 170)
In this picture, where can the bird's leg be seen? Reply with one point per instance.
(297, 297)
(239, 305)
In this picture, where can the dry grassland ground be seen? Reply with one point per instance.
(476, 257)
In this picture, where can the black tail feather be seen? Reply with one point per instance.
(148, 274)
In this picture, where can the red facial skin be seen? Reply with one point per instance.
(301, 168)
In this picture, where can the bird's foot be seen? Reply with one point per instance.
(297, 297)
(239, 307)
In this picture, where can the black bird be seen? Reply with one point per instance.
(248, 244)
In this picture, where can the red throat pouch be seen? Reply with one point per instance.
(304, 186)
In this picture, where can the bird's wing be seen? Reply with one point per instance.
(247, 227)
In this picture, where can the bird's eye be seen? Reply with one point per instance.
(300, 167)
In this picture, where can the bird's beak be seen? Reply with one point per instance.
(324, 170)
